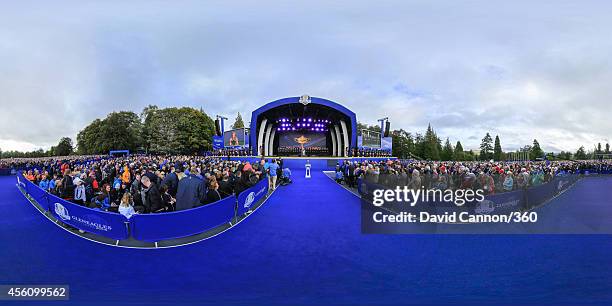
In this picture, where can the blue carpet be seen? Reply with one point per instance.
(304, 247)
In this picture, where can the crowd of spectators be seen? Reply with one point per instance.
(491, 177)
(230, 152)
(306, 151)
(371, 152)
(145, 184)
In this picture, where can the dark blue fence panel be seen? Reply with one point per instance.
(39, 195)
(5, 171)
(178, 224)
(249, 197)
(111, 225)
(22, 181)
(540, 194)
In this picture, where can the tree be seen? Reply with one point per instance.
(581, 153)
(238, 124)
(486, 148)
(431, 145)
(119, 130)
(447, 151)
(63, 148)
(536, 152)
(564, 155)
(403, 144)
(497, 150)
(607, 148)
(598, 151)
(459, 154)
(179, 131)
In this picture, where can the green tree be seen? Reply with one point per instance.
(403, 144)
(179, 130)
(63, 148)
(447, 151)
(486, 148)
(536, 152)
(431, 145)
(459, 154)
(598, 150)
(238, 123)
(581, 154)
(607, 148)
(497, 149)
(119, 130)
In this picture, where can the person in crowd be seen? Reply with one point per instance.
(508, 182)
(172, 179)
(272, 174)
(126, 207)
(151, 197)
(67, 185)
(225, 185)
(190, 191)
(44, 183)
(213, 195)
(79, 192)
(167, 200)
(338, 175)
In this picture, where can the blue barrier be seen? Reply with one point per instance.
(179, 224)
(5, 171)
(502, 203)
(250, 196)
(539, 194)
(111, 225)
(38, 194)
(22, 182)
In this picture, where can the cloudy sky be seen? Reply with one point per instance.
(522, 70)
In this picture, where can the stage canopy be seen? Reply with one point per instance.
(334, 126)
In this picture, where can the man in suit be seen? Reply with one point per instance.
(151, 196)
(190, 191)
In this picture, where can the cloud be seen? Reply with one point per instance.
(521, 71)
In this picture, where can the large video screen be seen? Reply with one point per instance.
(234, 138)
(308, 139)
(370, 139)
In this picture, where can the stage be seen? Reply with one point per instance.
(303, 126)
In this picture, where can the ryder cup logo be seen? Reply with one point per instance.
(485, 207)
(61, 211)
(249, 200)
(305, 99)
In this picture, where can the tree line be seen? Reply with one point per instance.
(155, 130)
(429, 146)
(188, 130)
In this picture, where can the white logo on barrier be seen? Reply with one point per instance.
(20, 183)
(561, 185)
(249, 200)
(251, 197)
(485, 207)
(61, 211)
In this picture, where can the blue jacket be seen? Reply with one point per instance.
(190, 192)
(44, 185)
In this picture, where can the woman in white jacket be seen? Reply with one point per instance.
(126, 207)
